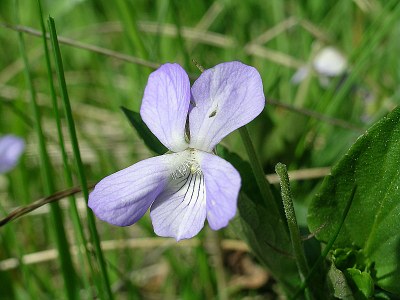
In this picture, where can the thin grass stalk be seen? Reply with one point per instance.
(75, 146)
(131, 29)
(262, 182)
(181, 41)
(58, 229)
(78, 228)
(294, 230)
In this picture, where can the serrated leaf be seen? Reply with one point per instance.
(144, 132)
(372, 224)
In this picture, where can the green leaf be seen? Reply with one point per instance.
(373, 163)
(349, 258)
(362, 282)
(95, 239)
(268, 239)
(144, 132)
(338, 284)
(263, 230)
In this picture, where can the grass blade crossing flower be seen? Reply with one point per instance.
(189, 184)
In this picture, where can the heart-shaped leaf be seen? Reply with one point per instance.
(372, 224)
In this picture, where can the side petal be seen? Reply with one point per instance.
(222, 188)
(180, 211)
(226, 97)
(165, 105)
(124, 197)
(11, 148)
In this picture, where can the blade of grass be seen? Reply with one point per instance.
(78, 228)
(84, 46)
(128, 17)
(58, 229)
(162, 14)
(262, 182)
(206, 21)
(75, 146)
(181, 41)
(282, 43)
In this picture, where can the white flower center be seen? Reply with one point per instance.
(189, 165)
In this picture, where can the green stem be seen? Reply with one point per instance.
(294, 231)
(78, 228)
(68, 271)
(77, 155)
(258, 171)
(328, 246)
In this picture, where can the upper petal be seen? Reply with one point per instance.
(226, 97)
(11, 148)
(124, 197)
(165, 105)
(222, 188)
(180, 210)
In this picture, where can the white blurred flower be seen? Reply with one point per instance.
(328, 62)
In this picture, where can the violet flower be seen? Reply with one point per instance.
(189, 183)
(11, 148)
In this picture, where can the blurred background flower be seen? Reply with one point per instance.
(11, 148)
(327, 62)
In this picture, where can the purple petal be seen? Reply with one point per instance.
(226, 97)
(222, 188)
(180, 211)
(11, 148)
(165, 105)
(124, 197)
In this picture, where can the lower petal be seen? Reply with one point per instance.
(124, 197)
(180, 210)
(222, 188)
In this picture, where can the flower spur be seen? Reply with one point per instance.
(189, 183)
